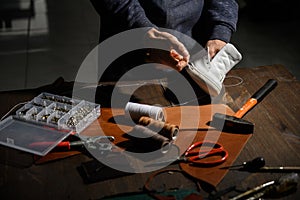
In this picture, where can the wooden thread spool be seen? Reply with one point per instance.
(149, 139)
(167, 130)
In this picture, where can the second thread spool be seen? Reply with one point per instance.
(167, 130)
(150, 140)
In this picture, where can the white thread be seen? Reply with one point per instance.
(136, 111)
(240, 79)
(22, 103)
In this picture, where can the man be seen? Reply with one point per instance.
(216, 19)
(210, 22)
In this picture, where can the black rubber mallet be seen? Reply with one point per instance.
(235, 123)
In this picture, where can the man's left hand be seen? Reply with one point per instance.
(214, 46)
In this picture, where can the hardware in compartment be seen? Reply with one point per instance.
(63, 112)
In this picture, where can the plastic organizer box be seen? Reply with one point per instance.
(47, 119)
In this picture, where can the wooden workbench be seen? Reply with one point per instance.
(276, 138)
(277, 123)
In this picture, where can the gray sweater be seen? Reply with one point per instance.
(200, 19)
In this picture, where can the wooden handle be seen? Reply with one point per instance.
(246, 107)
(256, 98)
(265, 90)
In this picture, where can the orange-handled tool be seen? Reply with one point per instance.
(256, 98)
(234, 124)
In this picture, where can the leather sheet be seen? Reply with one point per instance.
(193, 124)
(233, 143)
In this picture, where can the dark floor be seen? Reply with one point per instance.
(36, 50)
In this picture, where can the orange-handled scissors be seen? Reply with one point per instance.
(199, 153)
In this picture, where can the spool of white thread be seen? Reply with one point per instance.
(136, 111)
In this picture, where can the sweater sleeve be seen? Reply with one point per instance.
(221, 18)
(128, 12)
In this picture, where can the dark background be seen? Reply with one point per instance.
(41, 40)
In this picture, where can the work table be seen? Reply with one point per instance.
(276, 138)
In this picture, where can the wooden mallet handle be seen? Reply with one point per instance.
(256, 97)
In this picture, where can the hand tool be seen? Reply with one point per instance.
(196, 157)
(95, 142)
(234, 124)
(203, 153)
(279, 169)
(251, 165)
(275, 187)
(258, 165)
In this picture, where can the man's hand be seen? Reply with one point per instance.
(177, 56)
(214, 46)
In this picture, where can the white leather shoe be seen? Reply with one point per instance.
(209, 75)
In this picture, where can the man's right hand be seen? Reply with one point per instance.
(176, 55)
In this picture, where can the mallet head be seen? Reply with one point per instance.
(231, 124)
